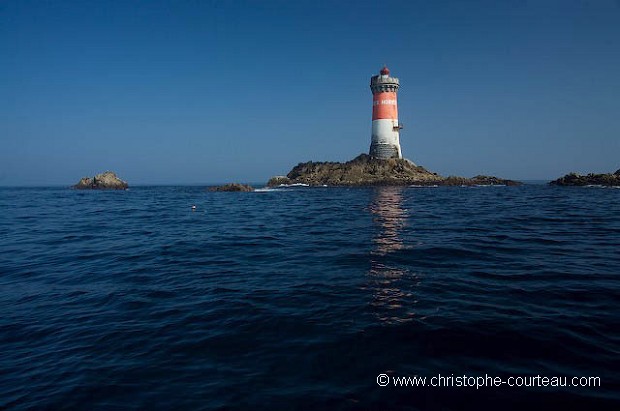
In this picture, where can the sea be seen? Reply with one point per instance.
(301, 298)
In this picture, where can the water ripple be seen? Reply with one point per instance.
(297, 299)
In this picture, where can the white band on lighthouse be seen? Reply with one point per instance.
(385, 140)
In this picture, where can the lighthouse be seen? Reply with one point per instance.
(385, 140)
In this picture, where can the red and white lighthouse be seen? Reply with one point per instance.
(385, 141)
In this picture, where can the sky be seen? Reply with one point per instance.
(198, 92)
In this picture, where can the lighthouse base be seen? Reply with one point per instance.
(385, 139)
(385, 151)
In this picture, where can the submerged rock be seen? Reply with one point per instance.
(232, 187)
(365, 170)
(574, 179)
(103, 181)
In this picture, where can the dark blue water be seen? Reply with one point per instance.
(299, 299)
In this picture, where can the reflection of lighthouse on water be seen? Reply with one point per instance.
(390, 217)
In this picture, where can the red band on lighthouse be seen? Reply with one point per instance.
(384, 106)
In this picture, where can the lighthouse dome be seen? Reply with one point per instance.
(385, 71)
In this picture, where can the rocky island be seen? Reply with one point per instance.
(233, 187)
(574, 179)
(365, 170)
(103, 181)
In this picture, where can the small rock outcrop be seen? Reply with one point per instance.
(478, 181)
(574, 179)
(365, 170)
(278, 181)
(232, 187)
(103, 181)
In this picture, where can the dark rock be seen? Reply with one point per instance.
(574, 179)
(365, 170)
(493, 181)
(232, 187)
(103, 181)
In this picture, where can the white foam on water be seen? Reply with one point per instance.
(266, 190)
(294, 185)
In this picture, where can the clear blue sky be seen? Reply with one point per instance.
(170, 92)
